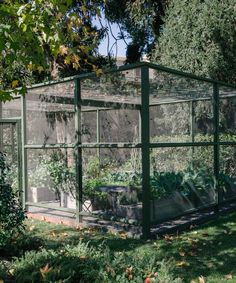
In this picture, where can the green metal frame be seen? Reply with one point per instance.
(143, 142)
(15, 124)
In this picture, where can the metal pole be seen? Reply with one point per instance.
(1, 129)
(19, 162)
(192, 127)
(78, 151)
(24, 152)
(216, 143)
(145, 136)
(98, 134)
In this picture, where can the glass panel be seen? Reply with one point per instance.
(112, 185)
(182, 180)
(51, 177)
(181, 108)
(9, 147)
(122, 87)
(227, 125)
(167, 87)
(119, 126)
(89, 126)
(227, 180)
(170, 123)
(203, 122)
(12, 109)
(50, 114)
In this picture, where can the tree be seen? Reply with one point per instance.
(199, 37)
(41, 36)
(141, 19)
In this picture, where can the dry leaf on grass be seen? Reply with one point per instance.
(182, 253)
(168, 237)
(201, 279)
(229, 276)
(123, 235)
(182, 264)
(31, 228)
(45, 270)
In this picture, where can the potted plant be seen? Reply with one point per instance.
(39, 185)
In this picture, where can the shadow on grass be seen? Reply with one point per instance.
(204, 251)
(55, 236)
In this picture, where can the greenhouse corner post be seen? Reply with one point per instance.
(19, 161)
(78, 150)
(24, 153)
(145, 135)
(1, 129)
(98, 134)
(216, 111)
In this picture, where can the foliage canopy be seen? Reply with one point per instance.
(200, 37)
(40, 35)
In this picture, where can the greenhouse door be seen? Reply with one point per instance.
(10, 146)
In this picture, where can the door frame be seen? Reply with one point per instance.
(17, 123)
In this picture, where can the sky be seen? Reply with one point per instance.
(119, 49)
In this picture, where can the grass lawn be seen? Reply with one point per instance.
(206, 254)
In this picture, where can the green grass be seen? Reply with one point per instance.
(209, 251)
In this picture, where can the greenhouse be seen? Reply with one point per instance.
(135, 146)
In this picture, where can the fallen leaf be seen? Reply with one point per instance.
(229, 276)
(83, 257)
(31, 228)
(123, 235)
(15, 83)
(182, 264)
(182, 253)
(148, 280)
(168, 237)
(54, 234)
(45, 270)
(1, 281)
(193, 281)
(201, 279)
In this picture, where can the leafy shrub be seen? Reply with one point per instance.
(188, 182)
(165, 183)
(129, 178)
(3, 273)
(11, 212)
(227, 185)
(83, 263)
(63, 178)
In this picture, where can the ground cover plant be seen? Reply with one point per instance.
(11, 212)
(57, 253)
